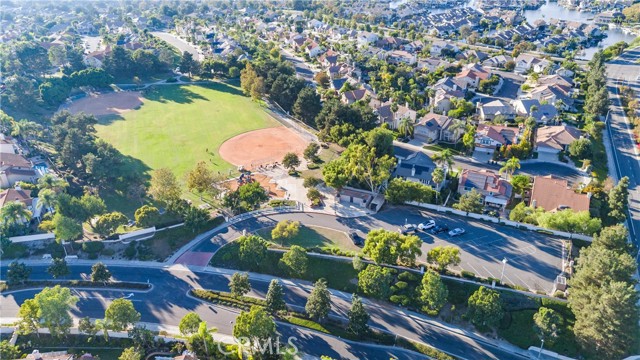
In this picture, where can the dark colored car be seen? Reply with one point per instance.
(439, 229)
(356, 239)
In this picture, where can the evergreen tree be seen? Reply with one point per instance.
(358, 317)
(275, 297)
(319, 301)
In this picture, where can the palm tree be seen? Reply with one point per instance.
(405, 126)
(510, 167)
(14, 213)
(444, 157)
(438, 177)
(455, 127)
(46, 199)
(49, 181)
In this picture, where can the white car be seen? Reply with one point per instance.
(407, 229)
(426, 225)
(456, 232)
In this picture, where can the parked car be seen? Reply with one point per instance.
(423, 226)
(456, 232)
(356, 238)
(439, 229)
(407, 229)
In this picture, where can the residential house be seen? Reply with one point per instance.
(489, 138)
(432, 64)
(496, 192)
(524, 62)
(15, 168)
(401, 57)
(554, 139)
(450, 84)
(543, 113)
(495, 108)
(471, 75)
(365, 38)
(553, 94)
(22, 196)
(417, 167)
(442, 99)
(439, 45)
(388, 116)
(552, 194)
(7, 145)
(313, 49)
(434, 127)
(350, 97)
(497, 62)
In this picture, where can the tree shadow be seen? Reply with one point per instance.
(225, 87)
(177, 94)
(107, 120)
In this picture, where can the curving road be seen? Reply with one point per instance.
(167, 303)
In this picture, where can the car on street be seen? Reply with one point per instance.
(408, 229)
(439, 229)
(456, 232)
(423, 226)
(356, 238)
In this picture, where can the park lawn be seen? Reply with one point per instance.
(313, 236)
(178, 126)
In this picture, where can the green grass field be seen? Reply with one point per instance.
(314, 236)
(178, 126)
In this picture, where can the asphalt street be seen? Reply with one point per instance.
(168, 302)
(302, 68)
(533, 259)
(625, 70)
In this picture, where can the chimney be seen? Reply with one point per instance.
(533, 203)
(413, 171)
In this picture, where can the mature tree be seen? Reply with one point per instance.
(21, 92)
(485, 307)
(390, 247)
(239, 284)
(285, 89)
(247, 77)
(188, 65)
(581, 148)
(275, 297)
(143, 338)
(358, 317)
(54, 306)
(618, 200)
(510, 166)
(100, 273)
(200, 179)
(291, 161)
(400, 191)
(380, 139)
(570, 221)
(58, 268)
(433, 293)
(130, 353)
(108, 223)
(54, 91)
(375, 281)
(285, 230)
(195, 218)
(17, 273)
(14, 212)
(189, 323)
(311, 152)
(147, 215)
(470, 201)
(334, 174)
(443, 157)
(406, 127)
(444, 256)
(255, 325)
(85, 326)
(307, 105)
(546, 323)
(361, 163)
(469, 137)
(118, 62)
(520, 183)
(164, 186)
(46, 200)
(252, 249)
(252, 194)
(607, 327)
(612, 238)
(120, 315)
(29, 317)
(66, 228)
(319, 302)
(438, 176)
(295, 260)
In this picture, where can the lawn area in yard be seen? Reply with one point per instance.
(178, 126)
(340, 275)
(456, 149)
(313, 236)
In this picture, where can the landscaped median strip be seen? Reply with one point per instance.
(83, 284)
(331, 327)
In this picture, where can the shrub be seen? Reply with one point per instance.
(407, 276)
(401, 285)
(311, 182)
(92, 247)
(468, 274)
(130, 252)
(108, 252)
(312, 166)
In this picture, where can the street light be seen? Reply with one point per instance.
(541, 346)
(504, 264)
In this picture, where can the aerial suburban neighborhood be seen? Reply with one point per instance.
(319, 179)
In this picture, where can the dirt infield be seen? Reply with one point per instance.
(261, 147)
(107, 104)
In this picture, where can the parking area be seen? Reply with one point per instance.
(532, 260)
